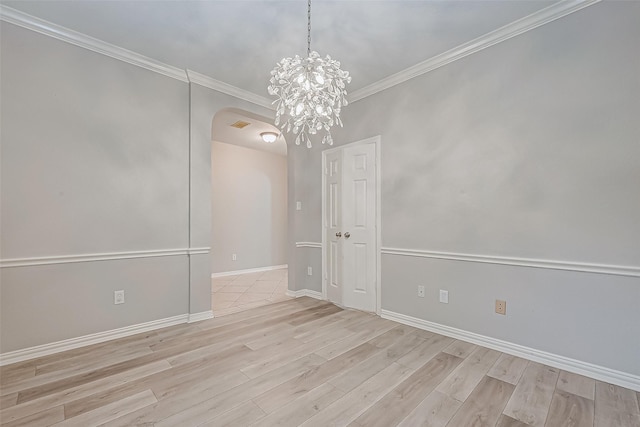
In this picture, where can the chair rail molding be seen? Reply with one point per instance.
(308, 245)
(199, 251)
(59, 32)
(585, 267)
(107, 256)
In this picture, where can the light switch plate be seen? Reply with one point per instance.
(444, 296)
(118, 297)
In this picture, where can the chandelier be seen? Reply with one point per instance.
(311, 92)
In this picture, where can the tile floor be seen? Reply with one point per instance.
(231, 294)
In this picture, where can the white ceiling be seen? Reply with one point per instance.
(240, 41)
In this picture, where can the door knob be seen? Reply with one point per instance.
(338, 234)
(347, 235)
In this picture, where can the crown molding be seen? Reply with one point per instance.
(27, 21)
(530, 22)
(217, 85)
(583, 267)
(515, 28)
(59, 32)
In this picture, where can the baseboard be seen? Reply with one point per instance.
(601, 373)
(203, 315)
(70, 344)
(304, 293)
(249, 270)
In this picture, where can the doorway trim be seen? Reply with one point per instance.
(378, 213)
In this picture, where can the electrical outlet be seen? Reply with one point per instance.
(501, 307)
(298, 206)
(421, 291)
(444, 296)
(234, 257)
(309, 271)
(118, 297)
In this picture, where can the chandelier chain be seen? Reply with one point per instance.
(309, 28)
(311, 92)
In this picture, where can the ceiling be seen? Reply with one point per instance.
(248, 136)
(239, 42)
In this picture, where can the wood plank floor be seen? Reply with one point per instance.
(302, 362)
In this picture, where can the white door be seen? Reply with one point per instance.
(350, 226)
(333, 223)
(359, 227)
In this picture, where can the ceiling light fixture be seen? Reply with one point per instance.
(311, 92)
(269, 137)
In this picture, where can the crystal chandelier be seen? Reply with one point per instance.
(311, 92)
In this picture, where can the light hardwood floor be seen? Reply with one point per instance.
(302, 362)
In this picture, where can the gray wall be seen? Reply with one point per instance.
(527, 149)
(309, 257)
(90, 146)
(307, 221)
(100, 156)
(94, 160)
(249, 208)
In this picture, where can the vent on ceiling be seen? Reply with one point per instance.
(240, 124)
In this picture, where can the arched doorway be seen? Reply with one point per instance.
(249, 226)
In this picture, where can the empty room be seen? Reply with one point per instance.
(320, 213)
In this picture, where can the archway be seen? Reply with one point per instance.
(249, 228)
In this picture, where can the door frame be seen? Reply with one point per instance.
(378, 214)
